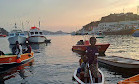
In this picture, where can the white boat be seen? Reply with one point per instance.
(36, 35)
(16, 35)
(101, 80)
(120, 62)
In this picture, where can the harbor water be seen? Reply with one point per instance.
(55, 63)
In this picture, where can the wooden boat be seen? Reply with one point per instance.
(131, 80)
(101, 47)
(10, 60)
(121, 62)
(10, 73)
(101, 79)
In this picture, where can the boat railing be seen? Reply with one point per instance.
(90, 75)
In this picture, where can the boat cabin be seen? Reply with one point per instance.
(16, 33)
(34, 31)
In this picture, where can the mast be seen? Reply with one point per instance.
(15, 25)
(39, 24)
(22, 26)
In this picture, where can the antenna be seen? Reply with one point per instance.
(22, 26)
(123, 10)
(137, 10)
(39, 24)
(15, 25)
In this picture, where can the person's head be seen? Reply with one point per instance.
(17, 42)
(27, 43)
(92, 41)
(81, 40)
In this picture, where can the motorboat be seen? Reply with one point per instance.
(101, 47)
(17, 35)
(36, 35)
(131, 80)
(11, 60)
(101, 78)
(120, 62)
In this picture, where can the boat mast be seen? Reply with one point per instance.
(39, 24)
(22, 26)
(15, 26)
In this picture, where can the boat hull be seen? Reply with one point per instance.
(101, 47)
(20, 39)
(81, 82)
(11, 60)
(119, 62)
(131, 80)
(36, 39)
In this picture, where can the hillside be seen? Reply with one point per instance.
(112, 18)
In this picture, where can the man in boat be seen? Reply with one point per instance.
(80, 42)
(17, 50)
(1, 53)
(91, 53)
(28, 49)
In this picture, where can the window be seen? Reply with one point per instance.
(36, 32)
(40, 33)
(32, 33)
(11, 34)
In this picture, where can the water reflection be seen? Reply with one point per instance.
(17, 70)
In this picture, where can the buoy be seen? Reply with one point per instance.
(18, 60)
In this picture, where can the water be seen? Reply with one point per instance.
(55, 63)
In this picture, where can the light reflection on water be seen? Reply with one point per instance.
(55, 63)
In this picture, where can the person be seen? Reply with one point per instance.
(80, 42)
(91, 53)
(1, 53)
(28, 48)
(17, 50)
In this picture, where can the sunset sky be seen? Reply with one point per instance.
(54, 15)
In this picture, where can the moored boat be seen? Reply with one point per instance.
(101, 47)
(120, 62)
(11, 60)
(16, 35)
(36, 35)
(101, 79)
(131, 80)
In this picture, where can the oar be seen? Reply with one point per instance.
(90, 75)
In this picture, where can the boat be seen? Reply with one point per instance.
(131, 80)
(9, 73)
(36, 35)
(101, 47)
(136, 32)
(101, 79)
(16, 35)
(120, 62)
(11, 60)
(2, 35)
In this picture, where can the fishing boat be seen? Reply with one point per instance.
(11, 60)
(131, 80)
(120, 62)
(100, 79)
(17, 35)
(101, 47)
(9, 73)
(36, 35)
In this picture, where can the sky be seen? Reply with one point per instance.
(55, 15)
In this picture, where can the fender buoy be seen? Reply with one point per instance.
(18, 60)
